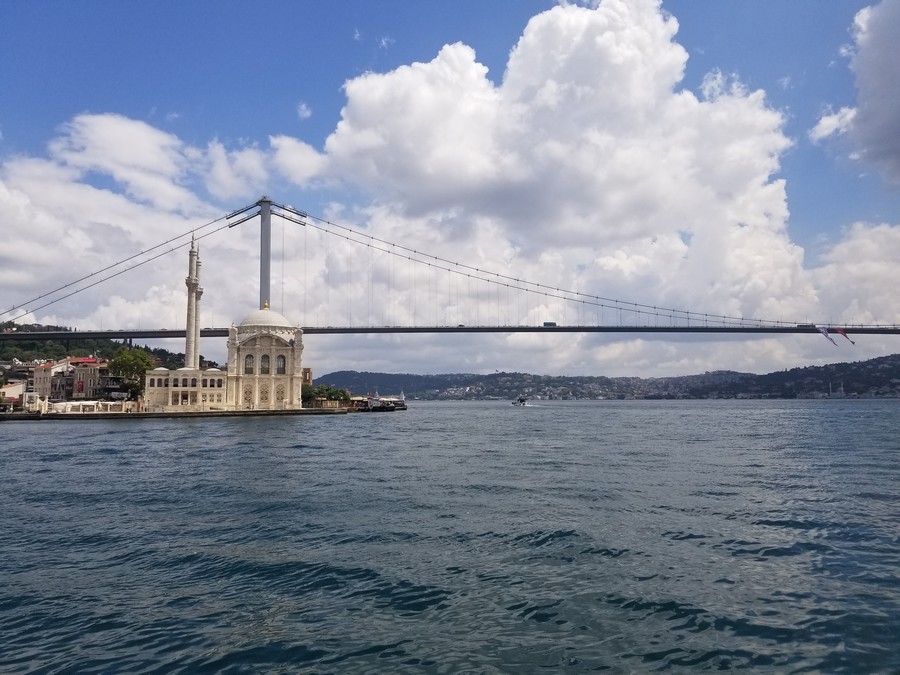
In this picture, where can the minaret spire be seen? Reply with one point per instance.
(198, 292)
(192, 324)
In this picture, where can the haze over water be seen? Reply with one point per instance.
(477, 537)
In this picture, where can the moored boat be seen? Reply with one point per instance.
(378, 403)
(399, 402)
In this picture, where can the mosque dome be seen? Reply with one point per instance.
(266, 317)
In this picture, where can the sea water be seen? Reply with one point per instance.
(626, 536)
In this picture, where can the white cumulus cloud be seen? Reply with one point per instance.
(876, 64)
(833, 124)
(150, 164)
(237, 174)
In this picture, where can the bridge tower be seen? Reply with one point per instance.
(265, 250)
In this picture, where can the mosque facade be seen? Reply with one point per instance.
(264, 363)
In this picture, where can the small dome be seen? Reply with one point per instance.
(266, 317)
(213, 370)
(161, 368)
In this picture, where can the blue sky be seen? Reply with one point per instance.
(223, 69)
(241, 91)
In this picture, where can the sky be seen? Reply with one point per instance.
(738, 158)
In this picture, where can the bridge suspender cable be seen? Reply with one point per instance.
(502, 280)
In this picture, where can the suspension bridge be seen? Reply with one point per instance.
(437, 295)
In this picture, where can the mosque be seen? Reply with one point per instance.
(264, 363)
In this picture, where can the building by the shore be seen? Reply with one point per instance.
(11, 396)
(74, 379)
(264, 369)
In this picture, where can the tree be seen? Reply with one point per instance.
(309, 394)
(330, 393)
(131, 365)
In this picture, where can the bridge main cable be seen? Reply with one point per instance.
(414, 255)
(122, 262)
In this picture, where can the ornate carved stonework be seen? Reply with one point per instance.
(265, 351)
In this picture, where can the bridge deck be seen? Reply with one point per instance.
(159, 334)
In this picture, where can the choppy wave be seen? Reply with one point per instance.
(457, 538)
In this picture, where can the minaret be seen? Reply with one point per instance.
(198, 292)
(192, 325)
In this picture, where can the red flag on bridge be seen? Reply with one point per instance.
(841, 331)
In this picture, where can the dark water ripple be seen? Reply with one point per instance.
(628, 537)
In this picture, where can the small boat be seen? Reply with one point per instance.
(520, 401)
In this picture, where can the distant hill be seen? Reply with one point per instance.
(879, 377)
(362, 383)
(53, 350)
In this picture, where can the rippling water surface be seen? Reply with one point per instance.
(626, 536)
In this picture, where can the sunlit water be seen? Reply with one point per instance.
(457, 537)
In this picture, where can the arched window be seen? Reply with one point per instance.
(204, 382)
(248, 364)
(152, 382)
(219, 382)
(183, 381)
(264, 364)
(167, 382)
(279, 365)
(193, 381)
